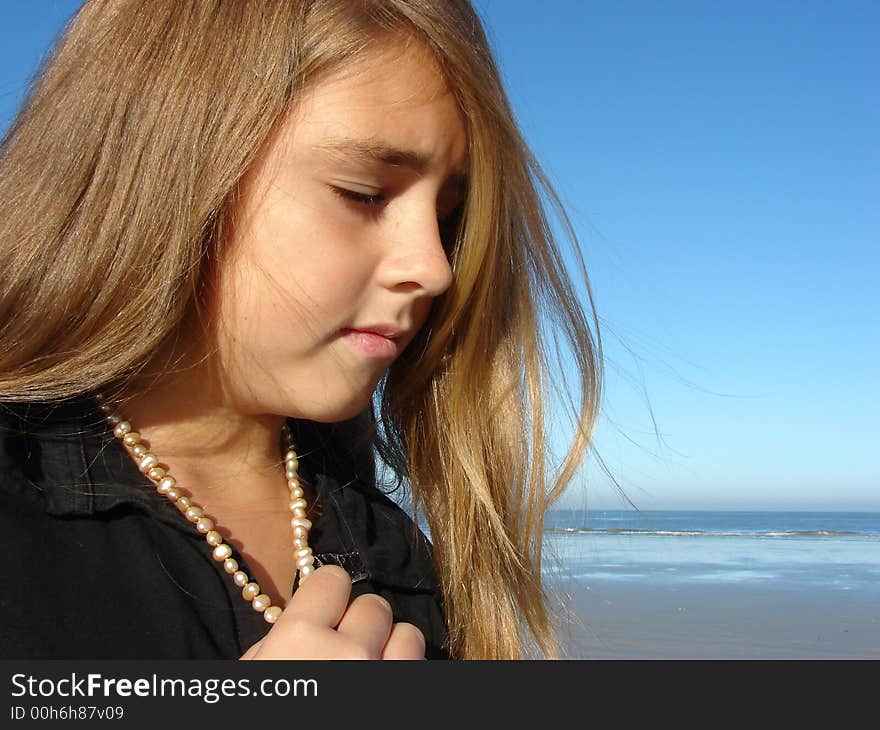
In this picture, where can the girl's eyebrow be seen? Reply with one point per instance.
(369, 150)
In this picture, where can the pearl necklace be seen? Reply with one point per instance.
(166, 485)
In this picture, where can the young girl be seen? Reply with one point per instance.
(246, 249)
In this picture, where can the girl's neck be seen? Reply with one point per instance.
(212, 449)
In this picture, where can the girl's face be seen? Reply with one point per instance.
(338, 234)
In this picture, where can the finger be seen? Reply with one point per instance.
(367, 623)
(405, 642)
(250, 653)
(321, 599)
(308, 642)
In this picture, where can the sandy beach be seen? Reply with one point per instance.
(611, 619)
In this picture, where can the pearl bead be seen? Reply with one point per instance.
(272, 614)
(148, 462)
(166, 485)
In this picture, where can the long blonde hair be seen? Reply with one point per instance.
(116, 183)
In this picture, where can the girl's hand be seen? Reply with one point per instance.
(319, 623)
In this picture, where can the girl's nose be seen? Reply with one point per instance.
(415, 258)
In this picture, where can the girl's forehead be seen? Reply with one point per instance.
(396, 75)
(391, 104)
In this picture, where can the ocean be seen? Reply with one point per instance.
(702, 584)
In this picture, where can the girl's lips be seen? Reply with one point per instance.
(372, 344)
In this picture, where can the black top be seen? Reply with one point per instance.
(95, 564)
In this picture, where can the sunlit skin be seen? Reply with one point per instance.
(327, 238)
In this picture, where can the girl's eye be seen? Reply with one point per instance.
(368, 200)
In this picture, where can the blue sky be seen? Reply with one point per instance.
(721, 165)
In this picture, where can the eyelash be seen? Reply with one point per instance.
(371, 201)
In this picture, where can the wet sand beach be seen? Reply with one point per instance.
(612, 619)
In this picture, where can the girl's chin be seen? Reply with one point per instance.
(331, 411)
(336, 416)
